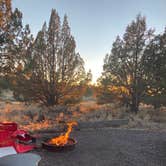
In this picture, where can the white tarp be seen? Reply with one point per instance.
(4, 151)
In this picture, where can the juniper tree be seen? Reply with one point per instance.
(5, 16)
(14, 43)
(124, 67)
(155, 67)
(57, 68)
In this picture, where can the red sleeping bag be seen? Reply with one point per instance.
(19, 139)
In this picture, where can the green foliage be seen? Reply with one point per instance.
(155, 67)
(88, 78)
(123, 66)
(72, 100)
(46, 69)
(4, 83)
(52, 69)
(5, 18)
(136, 67)
(105, 97)
(157, 100)
(15, 47)
(89, 92)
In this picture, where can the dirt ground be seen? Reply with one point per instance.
(111, 147)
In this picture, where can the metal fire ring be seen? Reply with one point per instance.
(67, 147)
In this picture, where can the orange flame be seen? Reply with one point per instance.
(63, 139)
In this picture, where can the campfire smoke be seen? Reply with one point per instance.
(63, 139)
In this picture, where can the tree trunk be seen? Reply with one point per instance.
(135, 103)
(51, 100)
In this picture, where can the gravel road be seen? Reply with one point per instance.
(111, 147)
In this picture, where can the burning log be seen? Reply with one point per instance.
(62, 142)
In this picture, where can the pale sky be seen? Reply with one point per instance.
(94, 23)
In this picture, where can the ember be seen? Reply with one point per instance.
(63, 139)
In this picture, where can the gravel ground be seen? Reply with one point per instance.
(111, 147)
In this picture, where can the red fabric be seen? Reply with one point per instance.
(10, 136)
(8, 126)
(6, 139)
(22, 135)
(6, 131)
(21, 148)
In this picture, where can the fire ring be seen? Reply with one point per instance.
(70, 145)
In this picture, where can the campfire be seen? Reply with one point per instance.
(62, 142)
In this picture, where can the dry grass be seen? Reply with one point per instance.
(18, 112)
(34, 117)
